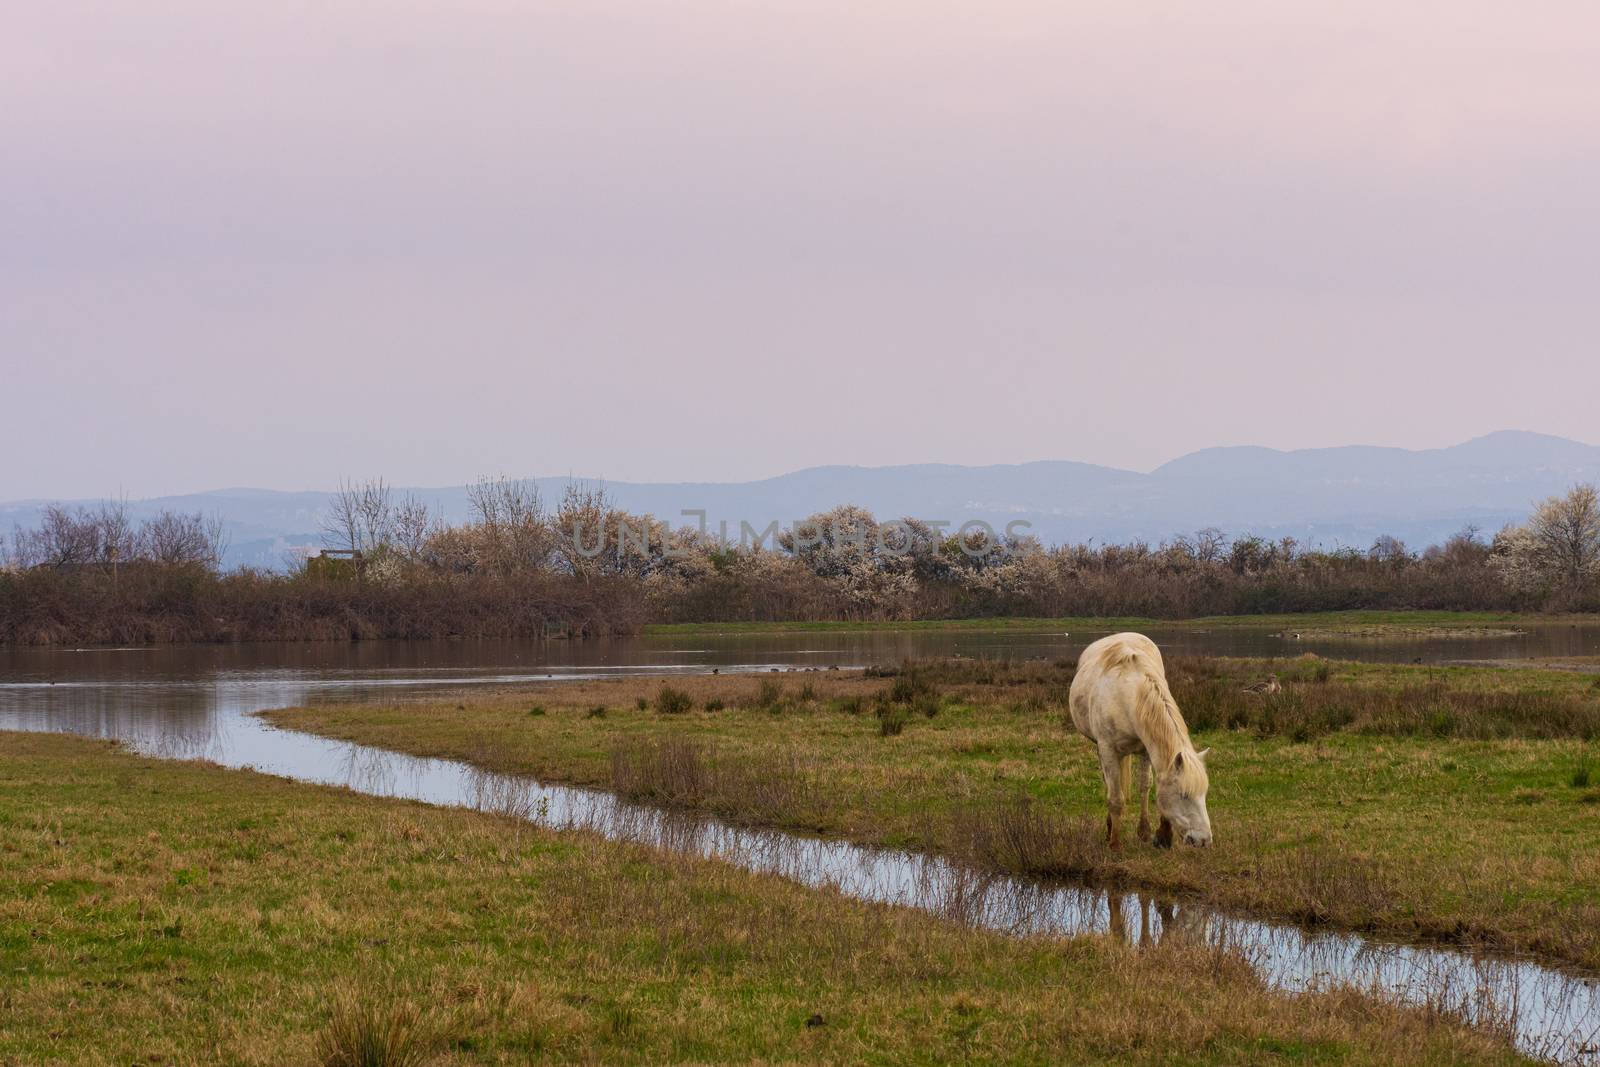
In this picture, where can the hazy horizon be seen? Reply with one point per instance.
(590, 476)
(274, 246)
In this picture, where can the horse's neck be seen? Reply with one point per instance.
(1165, 737)
(1164, 747)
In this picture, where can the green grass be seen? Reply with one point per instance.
(1440, 804)
(181, 913)
(1331, 620)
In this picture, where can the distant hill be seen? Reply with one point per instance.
(1326, 496)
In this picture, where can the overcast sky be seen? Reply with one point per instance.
(272, 244)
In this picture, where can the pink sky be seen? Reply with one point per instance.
(274, 244)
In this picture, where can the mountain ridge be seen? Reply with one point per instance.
(1341, 495)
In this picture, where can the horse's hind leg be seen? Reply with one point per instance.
(1111, 769)
(1141, 782)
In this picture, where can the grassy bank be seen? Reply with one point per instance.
(1337, 622)
(1456, 804)
(155, 912)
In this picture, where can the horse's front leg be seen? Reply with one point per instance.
(1141, 782)
(1111, 769)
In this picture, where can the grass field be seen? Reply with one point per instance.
(1459, 804)
(177, 913)
(1362, 621)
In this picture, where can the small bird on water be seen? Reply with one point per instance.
(1269, 686)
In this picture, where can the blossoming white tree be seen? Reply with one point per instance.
(1559, 547)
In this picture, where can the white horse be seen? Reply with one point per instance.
(1121, 702)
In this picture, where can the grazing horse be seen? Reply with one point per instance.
(1121, 702)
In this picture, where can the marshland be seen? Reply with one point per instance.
(1445, 807)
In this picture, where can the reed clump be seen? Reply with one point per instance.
(770, 786)
(1021, 836)
(373, 1032)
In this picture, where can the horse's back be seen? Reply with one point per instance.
(1105, 688)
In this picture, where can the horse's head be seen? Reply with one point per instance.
(1181, 796)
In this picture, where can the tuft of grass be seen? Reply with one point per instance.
(670, 701)
(642, 704)
(1580, 777)
(911, 686)
(769, 694)
(715, 704)
(670, 770)
(769, 787)
(365, 1032)
(536, 711)
(1021, 836)
(597, 711)
(892, 719)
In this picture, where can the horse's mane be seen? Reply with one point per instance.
(1157, 718)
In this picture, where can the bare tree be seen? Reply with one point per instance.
(1210, 545)
(411, 526)
(359, 516)
(173, 538)
(1387, 548)
(64, 538)
(115, 532)
(217, 538)
(514, 533)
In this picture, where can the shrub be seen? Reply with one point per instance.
(769, 694)
(910, 687)
(672, 701)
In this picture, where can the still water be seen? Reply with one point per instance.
(196, 702)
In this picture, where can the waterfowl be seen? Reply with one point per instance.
(1269, 686)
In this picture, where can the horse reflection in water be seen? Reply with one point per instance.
(1144, 921)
